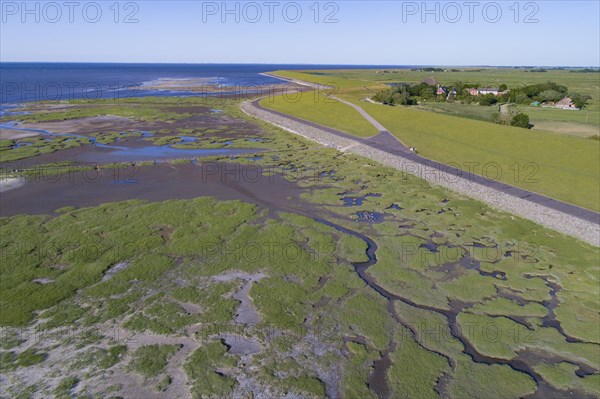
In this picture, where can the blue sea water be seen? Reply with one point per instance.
(30, 81)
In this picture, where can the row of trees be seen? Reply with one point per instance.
(407, 94)
(544, 92)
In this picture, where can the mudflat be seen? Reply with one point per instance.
(153, 183)
(84, 125)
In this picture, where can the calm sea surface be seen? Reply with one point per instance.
(23, 82)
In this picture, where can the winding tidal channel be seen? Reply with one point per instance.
(377, 380)
(164, 181)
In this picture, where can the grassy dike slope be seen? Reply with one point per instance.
(325, 111)
(562, 167)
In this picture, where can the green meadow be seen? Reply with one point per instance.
(561, 166)
(555, 165)
(354, 84)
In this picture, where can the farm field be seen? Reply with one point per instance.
(367, 82)
(580, 124)
(339, 263)
(562, 166)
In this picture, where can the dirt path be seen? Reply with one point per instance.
(364, 114)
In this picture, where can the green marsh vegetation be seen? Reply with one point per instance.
(154, 261)
(12, 150)
(150, 361)
(520, 294)
(202, 367)
(166, 119)
(62, 391)
(316, 315)
(144, 109)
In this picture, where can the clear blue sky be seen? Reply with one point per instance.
(366, 32)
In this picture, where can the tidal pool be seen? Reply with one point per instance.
(358, 201)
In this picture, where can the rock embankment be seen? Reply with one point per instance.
(551, 218)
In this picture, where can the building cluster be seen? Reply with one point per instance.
(486, 90)
(565, 103)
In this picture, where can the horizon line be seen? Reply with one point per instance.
(302, 64)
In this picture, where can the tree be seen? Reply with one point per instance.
(520, 120)
(458, 86)
(427, 93)
(384, 96)
(550, 95)
(400, 98)
(503, 98)
(521, 98)
(488, 99)
(580, 100)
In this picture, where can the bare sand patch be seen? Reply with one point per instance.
(43, 281)
(10, 183)
(10, 134)
(191, 308)
(114, 270)
(246, 313)
(205, 85)
(238, 345)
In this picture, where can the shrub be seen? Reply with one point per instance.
(62, 389)
(201, 368)
(488, 99)
(151, 360)
(520, 120)
(30, 357)
(163, 384)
